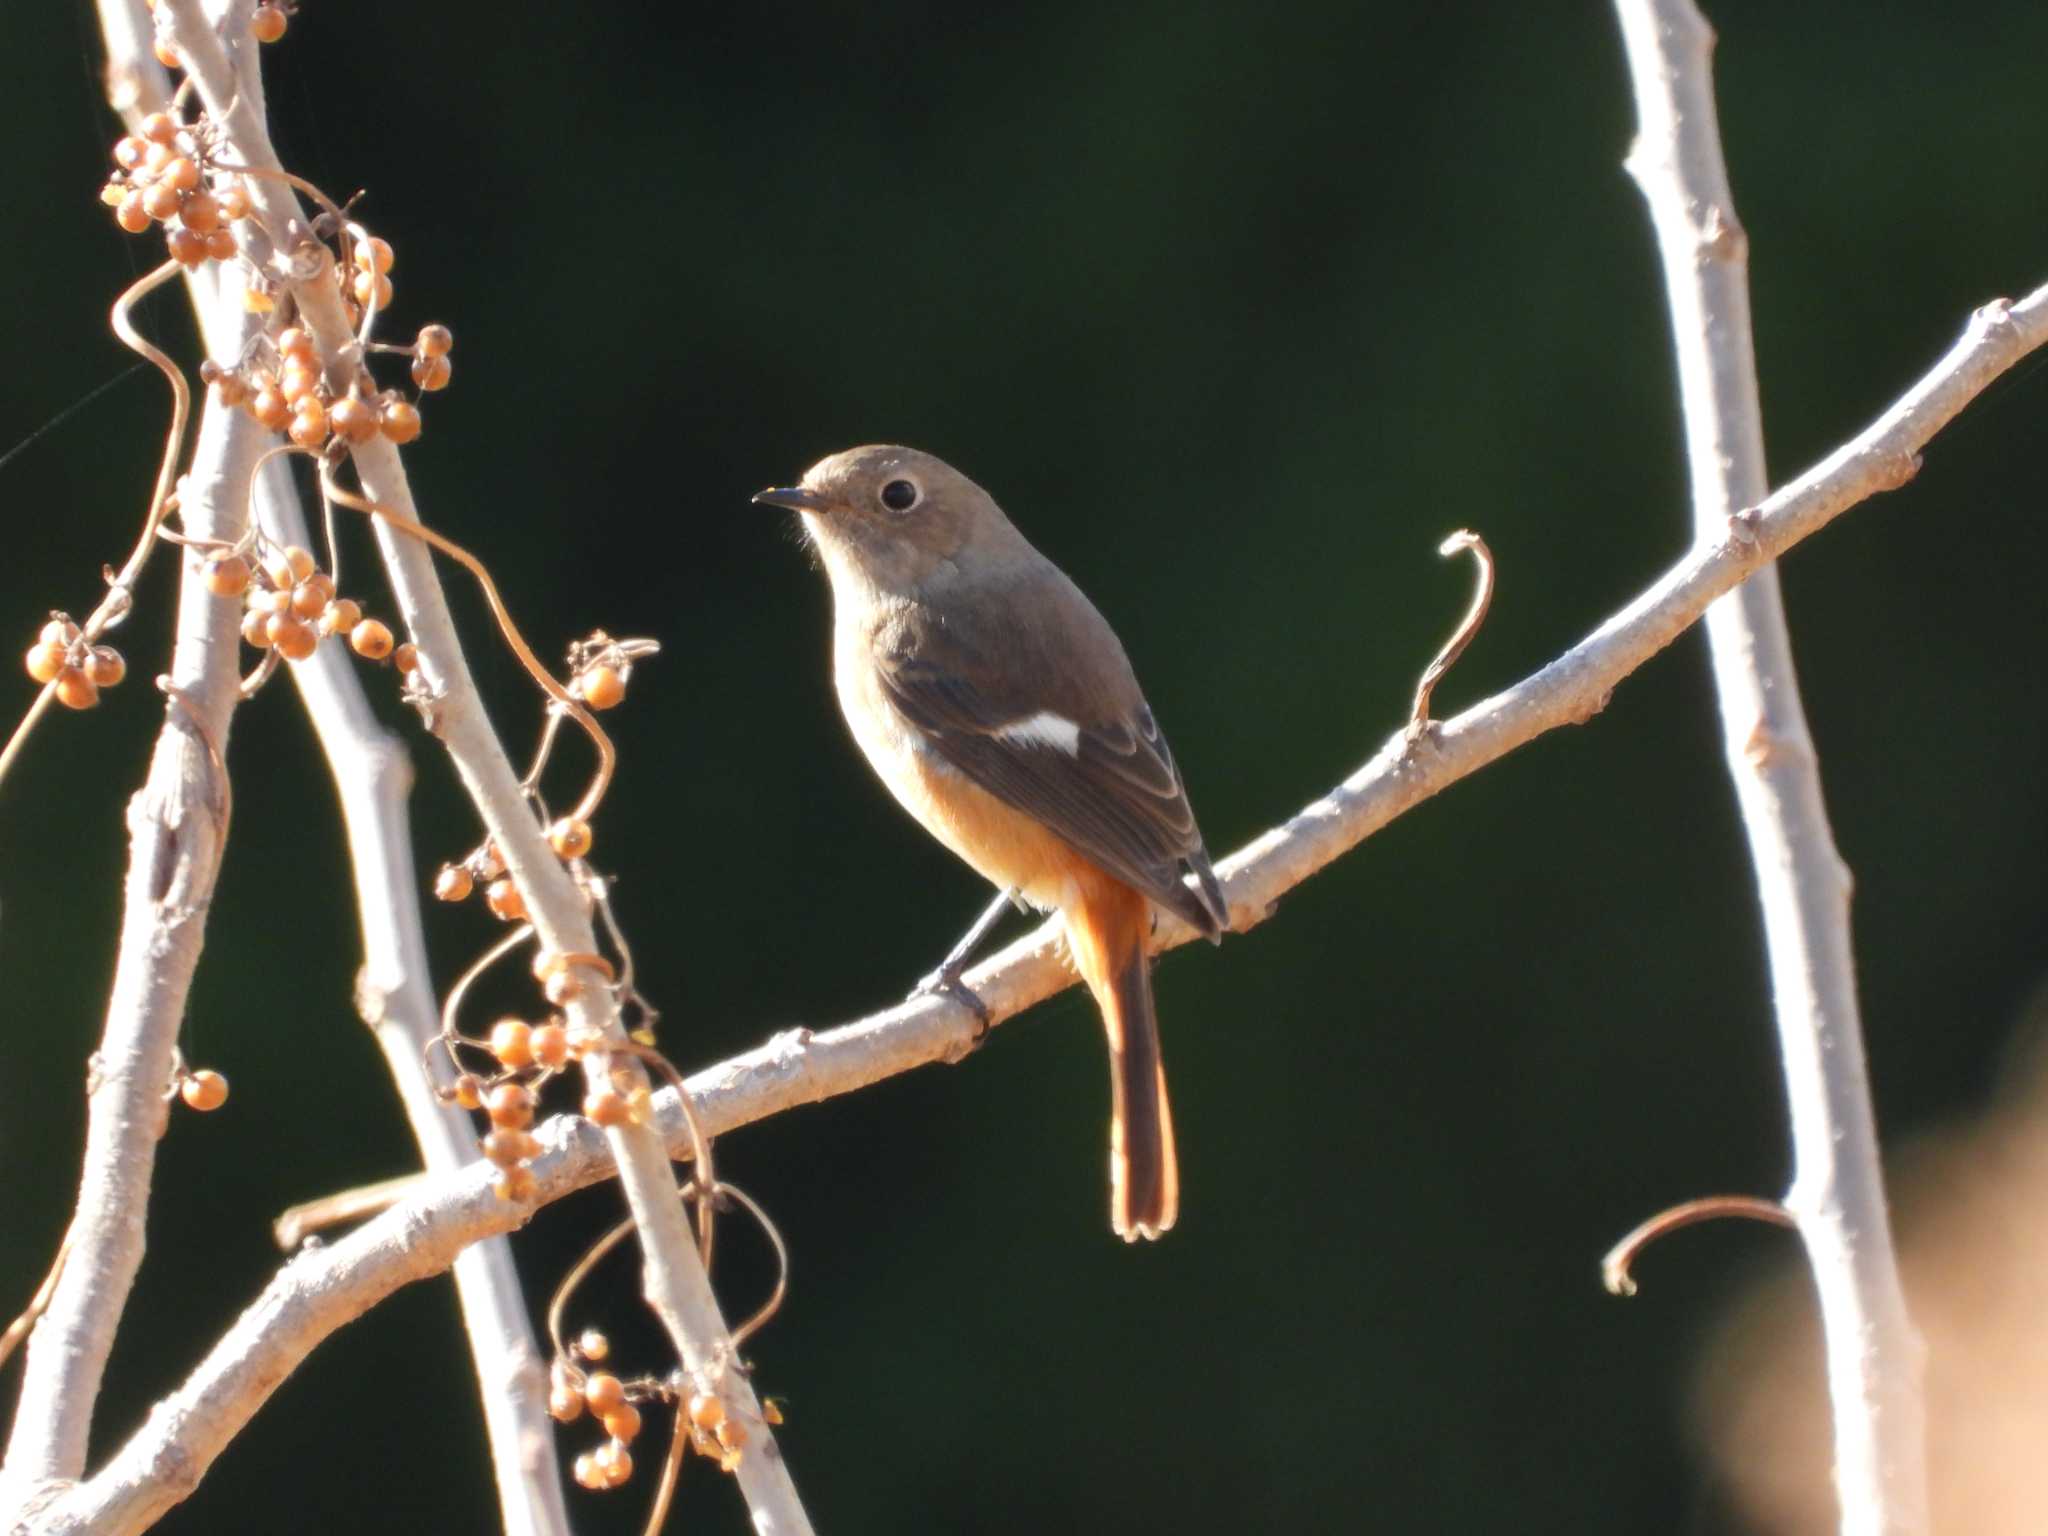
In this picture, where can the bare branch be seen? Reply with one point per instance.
(394, 995)
(177, 835)
(1837, 1193)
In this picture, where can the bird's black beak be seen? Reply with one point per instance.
(795, 497)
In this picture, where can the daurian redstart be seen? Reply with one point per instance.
(998, 706)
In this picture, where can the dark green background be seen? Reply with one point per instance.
(1238, 310)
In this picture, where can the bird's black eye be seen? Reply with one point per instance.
(899, 495)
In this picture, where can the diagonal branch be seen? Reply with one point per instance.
(1837, 1195)
(322, 1289)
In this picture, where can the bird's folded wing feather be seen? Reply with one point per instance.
(1059, 731)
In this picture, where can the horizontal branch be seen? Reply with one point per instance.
(321, 1289)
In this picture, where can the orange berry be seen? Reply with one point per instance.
(270, 408)
(570, 837)
(128, 151)
(706, 1411)
(160, 201)
(510, 1106)
(268, 24)
(187, 247)
(604, 1393)
(367, 285)
(256, 628)
(512, 1043)
(514, 1184)
(112, 193)
(592, 1345)
(160, 127)
(234, 202)
(201, 211)
(204, 1089)
(586, 1473)
(565, 1404)
(375, 253)
(354, 418)
(400, 421)
(601, 687)
(166, 55)
(341, 616)
(295, 341)
(550, 1045)
(606, 1107)
(76, 690)
(311, 596)
(220, 245)
(508, 1149)
(504, 899)
(309, 423)
(431, 373)
(182, 172)
(453, 883)
(560, 986)
(227, 575)
(155, 158)
(623, 1422)
(298, 379)
(406, 657)
(291, 635)
(371, 640)
(614, 1463)
(130, 214)
(45, 661)
(771, 1411)
(230, 389)
(434, 341)
(107, 667)
(298, 563)
(468, 1091)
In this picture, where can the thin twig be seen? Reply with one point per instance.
(1874, 1356)
(1468, 627)
(1615, 1268)
(324, 1288)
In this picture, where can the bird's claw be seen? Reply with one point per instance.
(946, 982)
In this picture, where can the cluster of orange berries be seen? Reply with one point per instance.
(527, 1055)
(164, 178)
(62, 656)
(293, 396)
(569, 836)
(608, 1400)
(291, 604)
(613, 1403)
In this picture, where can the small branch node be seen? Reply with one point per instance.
(1614, 1269)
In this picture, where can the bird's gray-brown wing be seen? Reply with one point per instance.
(1034, 701)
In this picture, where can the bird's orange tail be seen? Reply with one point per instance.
(1106, 932)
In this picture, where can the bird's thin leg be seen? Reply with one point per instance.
(946, 981)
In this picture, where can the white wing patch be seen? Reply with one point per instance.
(1045, 729)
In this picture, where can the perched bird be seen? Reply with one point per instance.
(998, 706)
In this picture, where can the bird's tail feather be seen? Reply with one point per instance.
(1144, 1175)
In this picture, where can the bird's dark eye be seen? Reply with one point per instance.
(899, 495)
